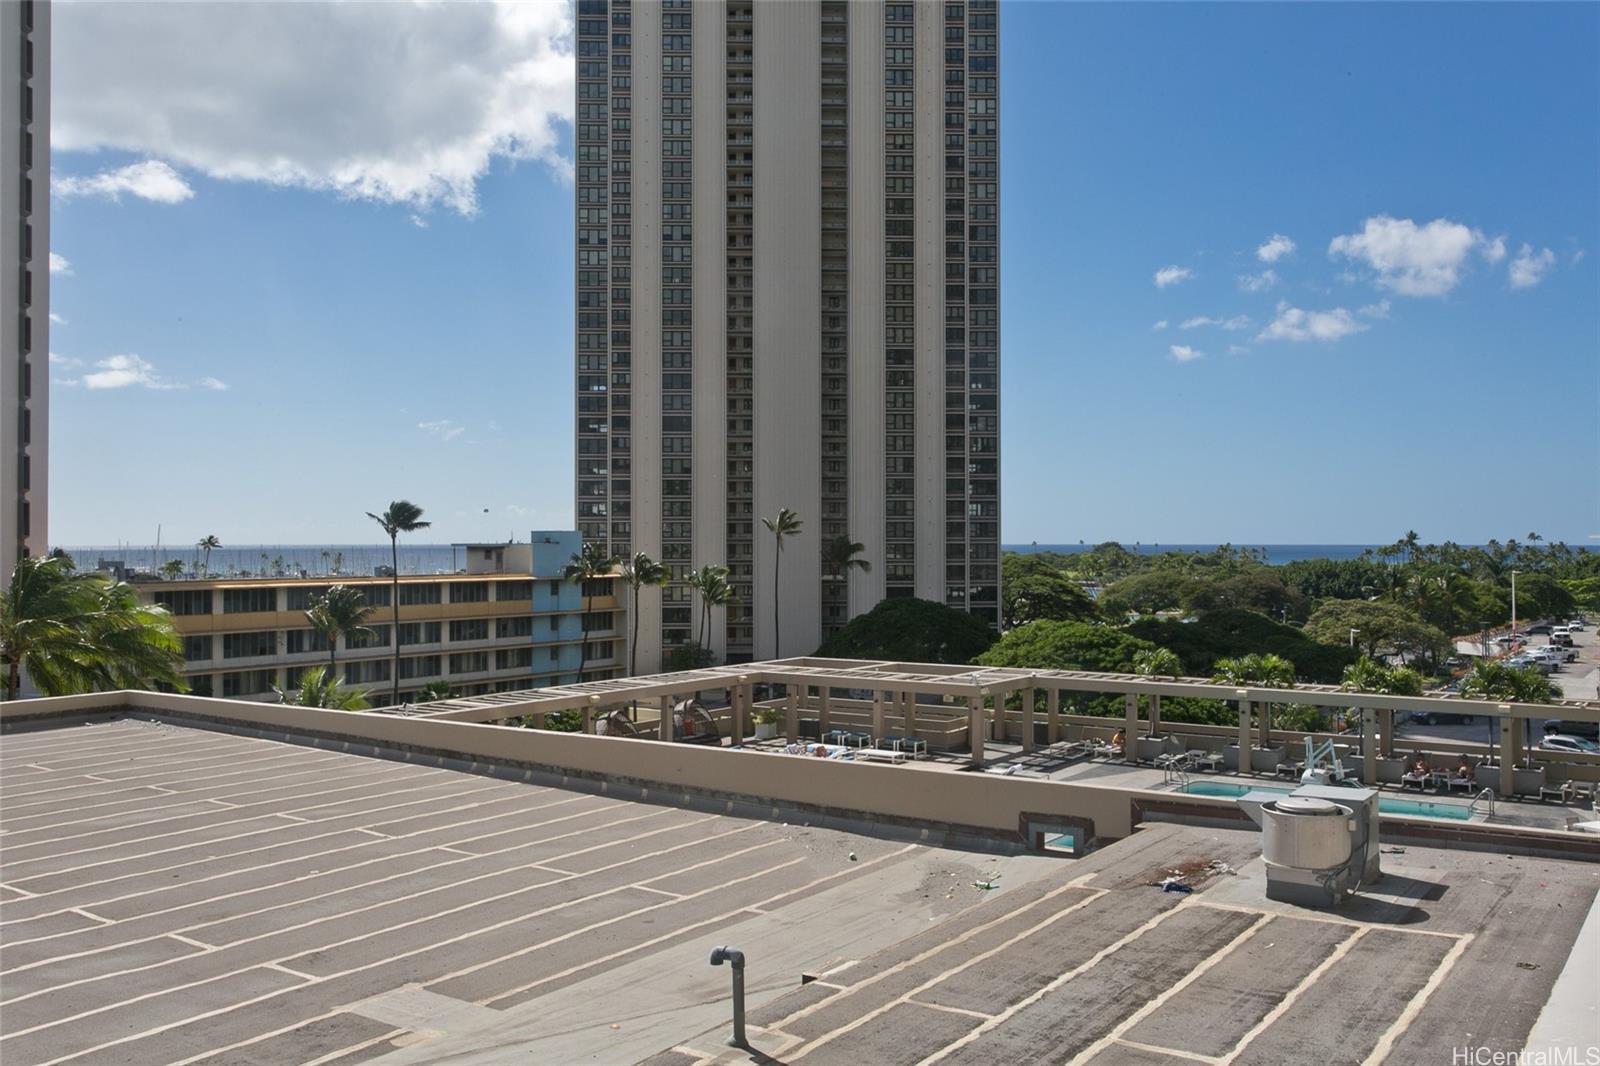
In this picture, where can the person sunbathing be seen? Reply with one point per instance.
(1117, 739)
(1420, 767)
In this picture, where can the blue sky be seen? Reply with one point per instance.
(390, 320)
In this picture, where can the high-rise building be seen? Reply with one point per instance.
(25, 266)
(788, 296)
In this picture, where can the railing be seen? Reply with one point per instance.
(1175, 770)
(1486, 797)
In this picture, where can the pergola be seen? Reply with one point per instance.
(812, 681)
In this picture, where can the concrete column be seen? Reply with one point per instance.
(1130, 723)
(877, 714)
(1052, 715)
(824, 712)
(739, 696)
(1265, 728)
(1386, 733)
(792, 712)
(665, 729)
(975, 728)
(1508, 756)
(1155, 714)
(1244, 736)
(1028, 696)
(1369, 746)
(588, 718)
(911, 714)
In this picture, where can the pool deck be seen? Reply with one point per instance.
(1052, 762)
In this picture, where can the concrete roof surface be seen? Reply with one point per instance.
(180, 895)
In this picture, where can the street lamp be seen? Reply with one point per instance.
(1514, 574)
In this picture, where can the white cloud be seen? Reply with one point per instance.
(1258, 282)
(65, 362)
(1172, 275)
(398, 103)
(124, 371)
(1237, 349)
(148, 180)
(1159, 326)
(1183, 353)
(59, 264)
(213, 384)
(1275, 248)
(1530, 267)
(1409, 259)
(57, 319)
(443, 428)
(1493, 250)
(1237, 322)
(1294, 324)
(1377, 310)
(1577, 257)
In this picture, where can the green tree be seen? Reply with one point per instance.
(76, 633)
(1229, 634)
(1266, 671)
(786, 524)
(1066, 646)
(172, 569)
(434, 690)
(403, 516)
(1492, 679)
(319, 687)
(840, 555)
(341, 611)
(1381, 627)
(637, 572)
(1032, 590)
(1331, 579)
(1146, 593)
(1256, 590)
(205, 544)
(586, 567)
(903, 629)
(1157, 662)
(711, 583)
(1370, 675)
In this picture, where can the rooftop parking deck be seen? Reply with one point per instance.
(191, 889)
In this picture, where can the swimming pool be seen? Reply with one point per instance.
(1414, 808)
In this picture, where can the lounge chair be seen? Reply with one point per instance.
(850, 739)
(916, 747)
(1561, 793)
(1455, 781)
(1412, 777)
(1291, 770)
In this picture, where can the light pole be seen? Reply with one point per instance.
(1353, 633)
(1514, 574)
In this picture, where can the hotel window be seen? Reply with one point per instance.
(415, 595)
(470, 629)
(470, 592)
(185, 601)
(420, 633)
(249, 645)
(246, 601)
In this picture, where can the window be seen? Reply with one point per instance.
(245, 601)
(420, 633)
(514, 627)
(379, 638)
(469, 592)
(470, 629)
(248, 682)
(185, 601)
(412, 595)
(506, 591)
(196, 649)
(420, 666)
(513, 659)
(249, 645)
(300, 641)
(469, 662)
(300, 597)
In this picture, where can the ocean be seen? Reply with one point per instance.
(1276, 554)
(318, 560)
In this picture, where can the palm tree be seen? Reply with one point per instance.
(786, 524)
(403, 516)
(172, 569)
(81, 633)
(320, 688)
(1157, 662)
(205, 544)
(1492, 679)
(711, 582)
(638, 572)
(434, 690)
(839, 557)
(1369, 675)
(591, 564)
(342, 611)
(1266, 671)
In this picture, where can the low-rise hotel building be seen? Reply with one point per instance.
(508, 621)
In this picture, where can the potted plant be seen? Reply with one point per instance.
(766, 720)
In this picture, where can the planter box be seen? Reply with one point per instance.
(1147, 748)
(1266, 760)
(766, 730)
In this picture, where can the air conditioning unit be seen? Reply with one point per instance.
(1320, 843)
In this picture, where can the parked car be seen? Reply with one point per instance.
(1586, 730)
(1563, 639)
(1437, 718)
(1520, 662)
(1568, 653)
(1542, 627)
(1563, 742)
